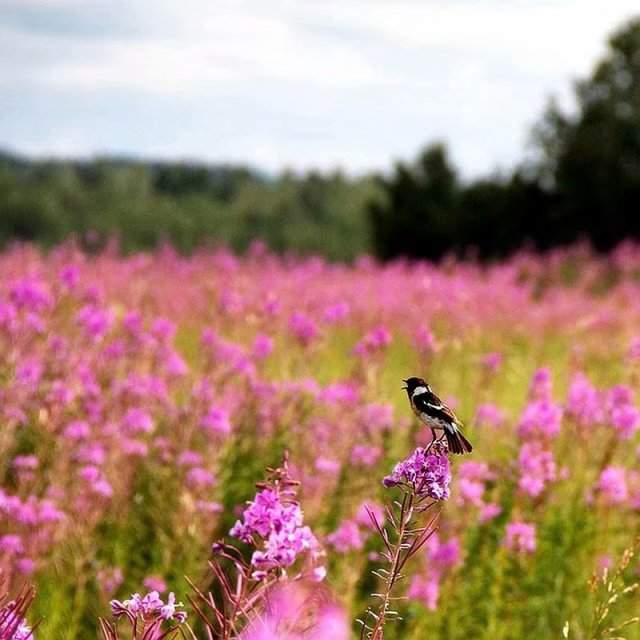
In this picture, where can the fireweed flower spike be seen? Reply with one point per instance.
(424, 478)
(146, 616)
(273, 525)
(13, 625)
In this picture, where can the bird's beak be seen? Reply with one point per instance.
(405, 387)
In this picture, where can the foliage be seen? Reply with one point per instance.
(189, 205)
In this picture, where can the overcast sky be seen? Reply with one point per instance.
(300, 84)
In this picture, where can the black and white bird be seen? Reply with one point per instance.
(436, 415)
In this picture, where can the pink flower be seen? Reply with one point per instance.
(95, 321)
(537, 468)
(443, 555)
(303, 327)
(364, 519)
(489, 414)
(298, 611)
(216, 421)
(339, 393)
(634, 349)
(612, 484)
(154, 583)
(375, 416)
(77, 430)
(489, 511)
(110, 579)
(188, 459)
(70, 276)
(197, 478)
(425, 590)
(625, 420)
(424, 340)
(25, 566)
(29, 462)
(273, 523)
(327, 465)
(373, 342)
(471, 492)
(137, 421)
(336, 313)
(541, 418)
(12, 544)
(346, 537)
(365, 455)
(584, 404)
(540, 387)
(262, 347)
(427, 472)
(520, 537)
(492, 361)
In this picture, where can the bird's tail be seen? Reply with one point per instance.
(456, 442)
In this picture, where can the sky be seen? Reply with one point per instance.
(350, 84)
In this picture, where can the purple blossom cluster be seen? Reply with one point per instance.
(149, 608)
(426, 471)
(12, 628)
(13, 623)
(273, 523)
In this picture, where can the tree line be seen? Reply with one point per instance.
(582, 181)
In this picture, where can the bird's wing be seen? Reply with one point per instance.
(432, 405)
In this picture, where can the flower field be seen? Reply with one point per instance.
(143, 397)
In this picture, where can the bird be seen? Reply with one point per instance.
(435, 414)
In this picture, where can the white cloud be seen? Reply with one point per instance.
(349, 82)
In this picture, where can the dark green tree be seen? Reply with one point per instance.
(592, 158)
(418, 216)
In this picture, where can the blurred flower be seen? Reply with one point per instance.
(303, 327)
(520, 537)
(365, 455)
(137, 421)
(612, 484)
(489, 511)
(373, 342)
(216, 420)
(537, 468)
(346, 537)
(540, 418)
(489, 415)
(154, 583)
(110, 579)
(295, 611)
(540, 387)
(424, 340)
(492, 362)
(336, 313)
(197, 478)
(425, 590)
(584, 404)
(634, 349)
(364, 519)
(327, 465)
(262, 347)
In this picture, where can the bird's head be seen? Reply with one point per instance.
(413, 382)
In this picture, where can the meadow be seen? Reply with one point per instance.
(143, 397)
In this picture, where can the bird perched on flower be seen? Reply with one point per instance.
(436, 415)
